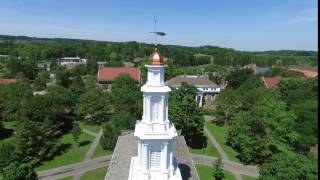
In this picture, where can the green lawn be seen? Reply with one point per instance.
(67, 178)
(91, 127)
(97, 174)
(245, 177)
(9, 138)
(101, 152)
(72, 154)
(205, 173)
(210, 150)
(220, 133)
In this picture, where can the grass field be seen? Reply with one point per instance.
(97, 174)
(205, 173)
(101, 152)
(72, 154)
(220, 133)
(245, 177)
(8, 133)
(210, 150)
(67, 178)
(91, 127)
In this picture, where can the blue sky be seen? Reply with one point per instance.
(251, 25)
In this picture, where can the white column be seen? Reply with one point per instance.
(167, 110)
(148, 108)
(145, 157)
(162, 109)
(200, 103)
(165, 156)
(171, 155)
(144, 108)
(139, 153)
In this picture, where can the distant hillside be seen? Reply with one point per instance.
(52, 48)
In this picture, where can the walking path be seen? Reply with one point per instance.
(220, 150)
(92, 148)
(74, 169)
(89, 132)
(82, 167)
(216, 144)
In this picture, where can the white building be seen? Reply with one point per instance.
(207, 89)
(155, 132)
(71, 61)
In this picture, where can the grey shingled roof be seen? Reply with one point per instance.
(126, 148)
(197, 81)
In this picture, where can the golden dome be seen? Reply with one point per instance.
(156, 58)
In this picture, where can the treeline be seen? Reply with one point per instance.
(38, 49)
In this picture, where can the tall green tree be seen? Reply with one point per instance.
(110, 136)
(40, 83)
(186, 115)
(93, 106)
(289, 166)
(17, 171)
(218, 173)
(126, 96)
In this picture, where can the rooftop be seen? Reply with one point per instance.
(272, 81)
(126, 148)
(8, 81)
(197, 81)
(108, 74)
(307, 71)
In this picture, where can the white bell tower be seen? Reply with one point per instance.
(155, 132)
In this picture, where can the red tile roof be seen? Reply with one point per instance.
(108, 74)
(272, 81)
(8, 81)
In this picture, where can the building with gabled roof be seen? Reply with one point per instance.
(109, 74)
(271, 82)
(207, 89)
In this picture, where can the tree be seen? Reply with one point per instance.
(186, 115)
(93, 106)
(262, 127)
(126, 96)
(238, 76)
(63, 76)
(217, 170)
(7, 155)
(76, 132)
(124, 120)
(77, 88)
(110, 136)
(11, 98)
(289, 166)
(18, 172)
(40, 83)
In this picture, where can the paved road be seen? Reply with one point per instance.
(234, 167)
(82, 167)
(74, 169)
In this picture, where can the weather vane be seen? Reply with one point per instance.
(156, 32)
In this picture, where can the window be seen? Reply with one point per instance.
(156, 109)
(155, 158)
